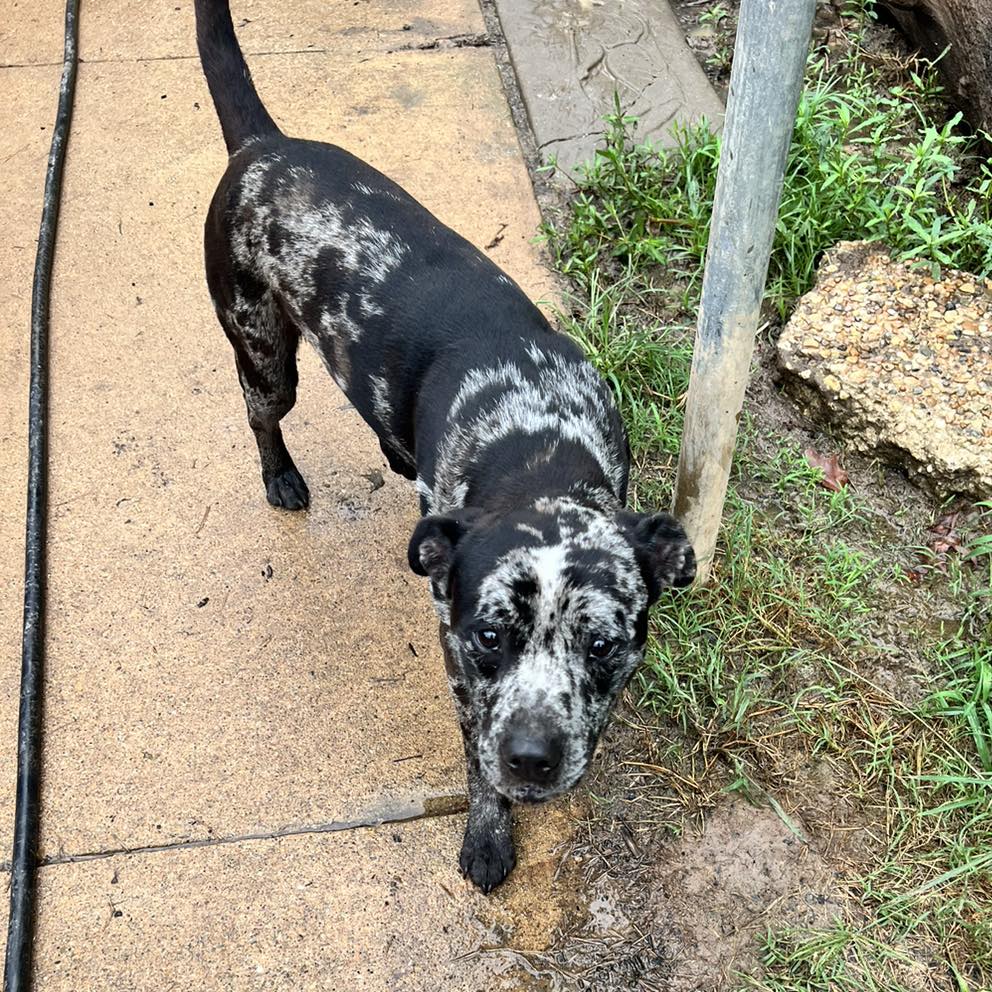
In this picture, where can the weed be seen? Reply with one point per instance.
(864, 163)
(967, 695)
(648, 371)
(980, 550)
(717, 14)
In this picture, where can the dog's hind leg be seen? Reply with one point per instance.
(265, 342)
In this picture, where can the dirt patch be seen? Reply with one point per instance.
(715, 892)
(687, 915)
(544, 892)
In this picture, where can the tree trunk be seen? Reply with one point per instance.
(964, 27)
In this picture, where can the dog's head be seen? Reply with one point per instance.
(546, 611)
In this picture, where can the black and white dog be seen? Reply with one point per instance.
(541, 579)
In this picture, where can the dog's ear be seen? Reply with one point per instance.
(432, 547)
(663, 550)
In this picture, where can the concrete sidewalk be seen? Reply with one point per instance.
(232, 692)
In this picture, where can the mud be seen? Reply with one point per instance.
(680, 914)
(715, 892)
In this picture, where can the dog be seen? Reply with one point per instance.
(540, 577)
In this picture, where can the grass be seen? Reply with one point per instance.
(967, 692)
(864, 164)
(810, 645)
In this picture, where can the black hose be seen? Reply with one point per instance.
(23, 882)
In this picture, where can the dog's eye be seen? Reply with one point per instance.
(600, 648)
(487, 639)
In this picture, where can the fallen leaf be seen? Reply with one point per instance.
(943, 545)
(947, 523)
(944, 538)
(834, 477)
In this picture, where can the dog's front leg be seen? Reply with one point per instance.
(487, 854)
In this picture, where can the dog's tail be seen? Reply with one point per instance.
(243, 117)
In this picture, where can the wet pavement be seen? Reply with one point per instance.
(233, 691)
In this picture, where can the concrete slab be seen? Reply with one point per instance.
(361, 910)
(115, 30)
(215, 667)
(571, 56)
(31, 33)
(33, 92)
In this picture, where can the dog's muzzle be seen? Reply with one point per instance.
(530, 760)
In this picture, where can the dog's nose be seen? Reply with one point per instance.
(531, 756)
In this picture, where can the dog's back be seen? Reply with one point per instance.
(303, 238)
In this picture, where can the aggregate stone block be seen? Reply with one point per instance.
(900, 363)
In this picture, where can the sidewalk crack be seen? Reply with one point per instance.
(451, 41)
(431, 808)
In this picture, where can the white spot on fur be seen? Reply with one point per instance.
(535, 354)
(338, 323)
(368, 308)
(337, 374)
(542, 457)
(568, 402)
(531, 531)
(424, 491)
(383, 409)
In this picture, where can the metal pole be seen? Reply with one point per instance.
(765, 83)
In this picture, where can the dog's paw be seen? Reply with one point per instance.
(287, 490)
(486, 860)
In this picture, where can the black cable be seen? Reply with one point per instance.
(23, 882)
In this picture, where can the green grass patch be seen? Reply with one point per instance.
(810, 645)
(865, 163)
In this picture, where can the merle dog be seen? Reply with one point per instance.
(541, 579)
